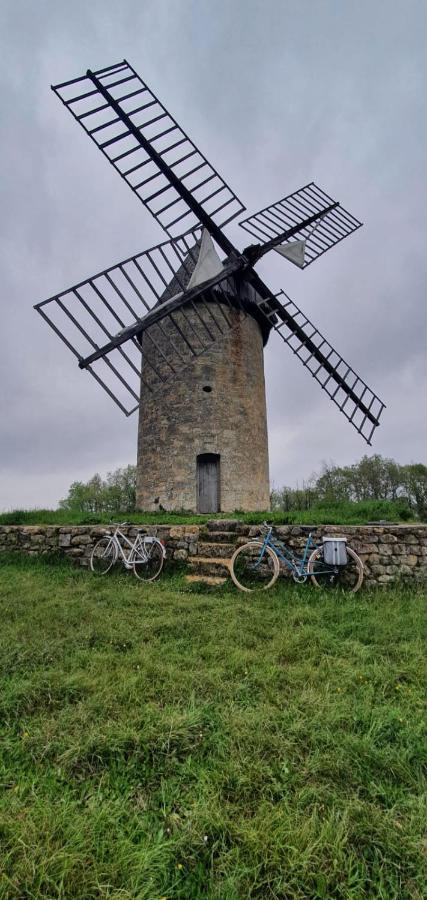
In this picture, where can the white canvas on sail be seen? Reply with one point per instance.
(208, 264)
(294, 251)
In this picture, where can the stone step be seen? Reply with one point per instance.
(220, 537)
(208, 565)
(216, 549)
(222, 524)
(206, 579)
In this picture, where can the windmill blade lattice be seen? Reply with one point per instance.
(150, 151)
(96, 310)
(358, 403)
(137, 324)
(330, 230)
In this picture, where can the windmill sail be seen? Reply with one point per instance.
(150, 151)
(335, 225)
(359, 404)
(101, 309)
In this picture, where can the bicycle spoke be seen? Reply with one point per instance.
(148, 559)
(104, 555)
(346, 578)
(254, 567)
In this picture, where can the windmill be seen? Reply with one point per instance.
(177, 331)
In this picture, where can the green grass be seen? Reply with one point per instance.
(161, 742)
(344, 513)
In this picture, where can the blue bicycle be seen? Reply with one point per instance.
(331, 564)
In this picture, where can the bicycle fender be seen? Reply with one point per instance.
(152, 540)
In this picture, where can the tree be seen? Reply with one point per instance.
(334, 484)
(415, 487)
(376, 478)
(115, 494)
(288, 498)
(373, 478)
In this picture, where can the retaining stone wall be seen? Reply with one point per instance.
(389, 552)
(77, 541)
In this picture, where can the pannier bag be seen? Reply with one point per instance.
(335, 551)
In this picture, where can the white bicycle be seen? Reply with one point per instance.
(145, 556)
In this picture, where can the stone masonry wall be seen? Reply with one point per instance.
(77, 541)
(215, 405)
(389, 552)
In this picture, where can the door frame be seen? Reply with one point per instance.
(208, 457)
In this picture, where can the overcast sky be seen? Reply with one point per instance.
(276, 94)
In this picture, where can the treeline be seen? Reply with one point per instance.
(113, 494)
(373, 478)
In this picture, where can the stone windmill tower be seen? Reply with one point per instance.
(177, 332)
(202, 445)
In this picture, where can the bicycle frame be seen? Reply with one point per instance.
(128, 559)
(297, 565)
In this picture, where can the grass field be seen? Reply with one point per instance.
(160, 742)
(344, 513)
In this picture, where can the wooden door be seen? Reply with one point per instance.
(208, 483)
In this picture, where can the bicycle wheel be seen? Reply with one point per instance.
(348, 578)
(148, 560)
(104, 555)
(250, 571)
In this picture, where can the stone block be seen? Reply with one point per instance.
(81, 539)
(410, 560)
(64, 538)
(391, 569)
(366, 547)
(177, 531)
(180, 554)
(242, 528)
